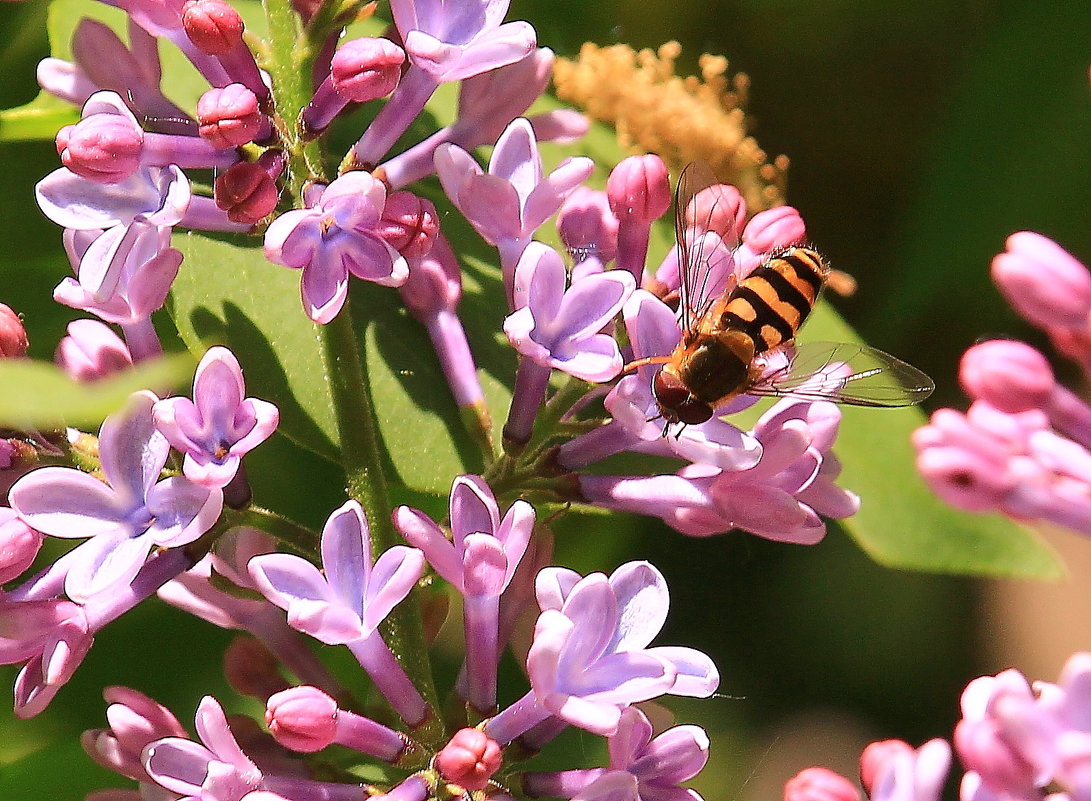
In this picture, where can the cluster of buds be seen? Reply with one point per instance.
(1023, 448)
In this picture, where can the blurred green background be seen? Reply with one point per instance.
(921, 134)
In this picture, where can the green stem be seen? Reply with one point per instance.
(362, 457)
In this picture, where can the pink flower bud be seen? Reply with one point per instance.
(1043, 282)
(229, 117)
(774, 228)
(19, 544)
(104, 148)
(718, 208)
(639, 187)
(13, 336)
(587, 226)
(213, 26)
(1011, 376)
(877, 757)
(92, 351)
(409, 224)
(435, 282)
(251, 670)
(302, 718)
(246, 192)
(469, 759)
(366, 69)
(819, 784)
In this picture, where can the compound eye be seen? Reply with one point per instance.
(676, 403)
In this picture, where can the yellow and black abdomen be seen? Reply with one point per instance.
(771, 303)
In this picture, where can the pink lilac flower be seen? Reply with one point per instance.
(639, 193)
(589, 230)
(19, 544)
(216, 29)
(334, 236)
(820, 784)
(124, 517)
(135, 721)
(91, 351)
(361, 70)
(231, 117)
(13, 336)
(469, 759)
(479, 562)
(220, 425)
(247, 191)
(510, 202)
(346, 604)
(912, 774)
(589, 659)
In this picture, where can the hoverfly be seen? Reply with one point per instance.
(740, 338)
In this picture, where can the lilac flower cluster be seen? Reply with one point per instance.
(161, 498)
(1023, 448)
(1015, 740)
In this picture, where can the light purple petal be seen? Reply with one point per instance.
(616, 785)
(597, 359)
(218, 387)
(697, 674)
(485, 566)
(515, 159)
(293, 237)
(159, 195)
(64, 502)
(592, 608)
(178, 765)
(594, 716)
(592, 303)
(540, 279)
(643, 601)
(624, 678)
(395, 573)
(552, 586)
(105, 563)
(211, 724)
(265, 417)
(420, 532)
(514, 534)
(372, 259)
(455, 167)
(492, 206)
(346, 554)
(473, 508)
(676, 755)
(285, 579)
(324, 288)
(549, 194)
(719, 444)
(183, 511)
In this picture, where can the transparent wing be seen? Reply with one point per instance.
(845, 373)
(701, 263)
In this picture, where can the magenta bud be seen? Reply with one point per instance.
(409, 224)
(877, 757)
(366, 69)
(469, 759)
(1043, 282)
(774, 228)
(214, 26)
(819, 784)
(246, 192)
(229, 117)
(19, 544)
(104, 148)
(1011, 376)
(302, 718)
(718, 208)
(13, 336)
(639, 188)
(434, 284)
(586, 224)
(92, 351)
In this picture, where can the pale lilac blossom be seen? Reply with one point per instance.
(135, 721)
(333, 237)
(91, 351)
(220, 425)
(126, 515)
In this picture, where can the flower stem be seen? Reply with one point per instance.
(362, 457)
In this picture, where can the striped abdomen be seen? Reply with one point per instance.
(772, 302)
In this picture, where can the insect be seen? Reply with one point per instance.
(740, 339)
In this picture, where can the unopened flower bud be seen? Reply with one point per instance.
(587, 226)
(251, 670)
(434, 284)
(1010, 375)
(877, 757)
(819, 784)
(19, 544)
(246, 192)
(104, 148)
(774, 228)
(302, 718)
(13, 336)
(1043, 282)
(92, 351)
(214, 26)
(229, 116)
(469, 759)
(366, 69)
(718, 208)
(639, 187)
(409, 224)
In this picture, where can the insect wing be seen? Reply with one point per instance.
(704, 260)
(846, 373)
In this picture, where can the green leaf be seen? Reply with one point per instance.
(41, 118)
(47, 398)
(901, 523)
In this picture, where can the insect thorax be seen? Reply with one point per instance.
(717, 367)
